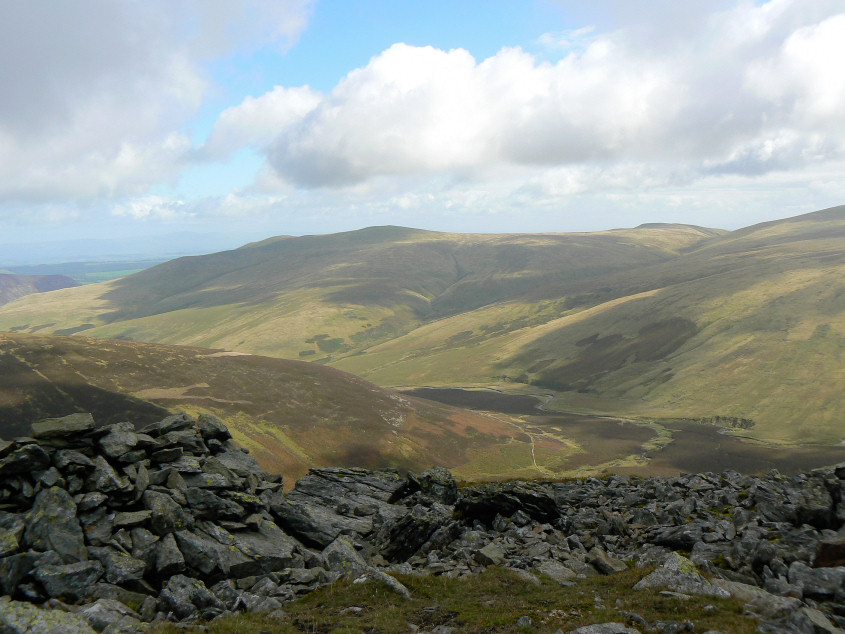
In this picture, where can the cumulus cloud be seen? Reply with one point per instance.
(152, 207)
(746, 90)
(96, 94)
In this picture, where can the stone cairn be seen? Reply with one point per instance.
(108, 529)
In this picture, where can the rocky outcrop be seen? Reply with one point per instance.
(119, 527)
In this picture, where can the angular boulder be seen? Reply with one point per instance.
(52, 524)
(18, 617)
(69, 581)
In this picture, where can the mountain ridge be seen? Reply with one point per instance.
(660, 311)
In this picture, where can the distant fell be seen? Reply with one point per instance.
(329, 296)
(659, 321)
(14, 286)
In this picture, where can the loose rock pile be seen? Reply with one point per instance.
(107, 529)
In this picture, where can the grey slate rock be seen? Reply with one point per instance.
(818, 583)
(120, 439)
(188, 598)
(10, 538)
(237, 461)
(677, 573)
(166, 516)
(112, 615)
(490, 555)
(97, 526)
(128, 519)
(436, 483)
(226, 592)
(830, 553)
(556, 571)
(204, 503)
(18, 617)
(401, 538)
(268, 545)
(604, 563)
(484, 501)
(211, 427)
(341, 556)
(314, 524)
(119, 567)
(69, 581)
(90, 501)
(210, 557)
(14, 568)
(105, 479)
(25, 459)
(72, 460)
(67, 426)
(52, 524)
(168, 558)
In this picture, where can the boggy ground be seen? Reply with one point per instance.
(577, 445)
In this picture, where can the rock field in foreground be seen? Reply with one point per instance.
(107, 529)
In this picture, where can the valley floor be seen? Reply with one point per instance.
(560, 444)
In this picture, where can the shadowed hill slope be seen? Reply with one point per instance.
(291, 415)
(13, 286)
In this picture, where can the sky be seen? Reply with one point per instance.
(225, 122)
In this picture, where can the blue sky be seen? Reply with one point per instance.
(266, 117)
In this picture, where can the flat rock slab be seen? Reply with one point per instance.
(70, 581)
(17, 617)
(72, 425)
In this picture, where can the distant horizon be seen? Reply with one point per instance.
(25, 254)
(301, 117)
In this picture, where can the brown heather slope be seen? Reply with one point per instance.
(291, 415)
(13, 286)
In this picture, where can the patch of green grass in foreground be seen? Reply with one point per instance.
(489, 602)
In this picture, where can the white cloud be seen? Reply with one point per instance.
(95, 95)
(151, 208)
(254, 121)
(746, 90)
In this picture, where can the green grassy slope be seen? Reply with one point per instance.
(749, 325)
(657, 321)
(326, 297)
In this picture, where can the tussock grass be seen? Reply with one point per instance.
(490, 602)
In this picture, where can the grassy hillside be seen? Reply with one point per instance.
(326, 297)
(743, 328)
(749, 325)
(291, 415)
